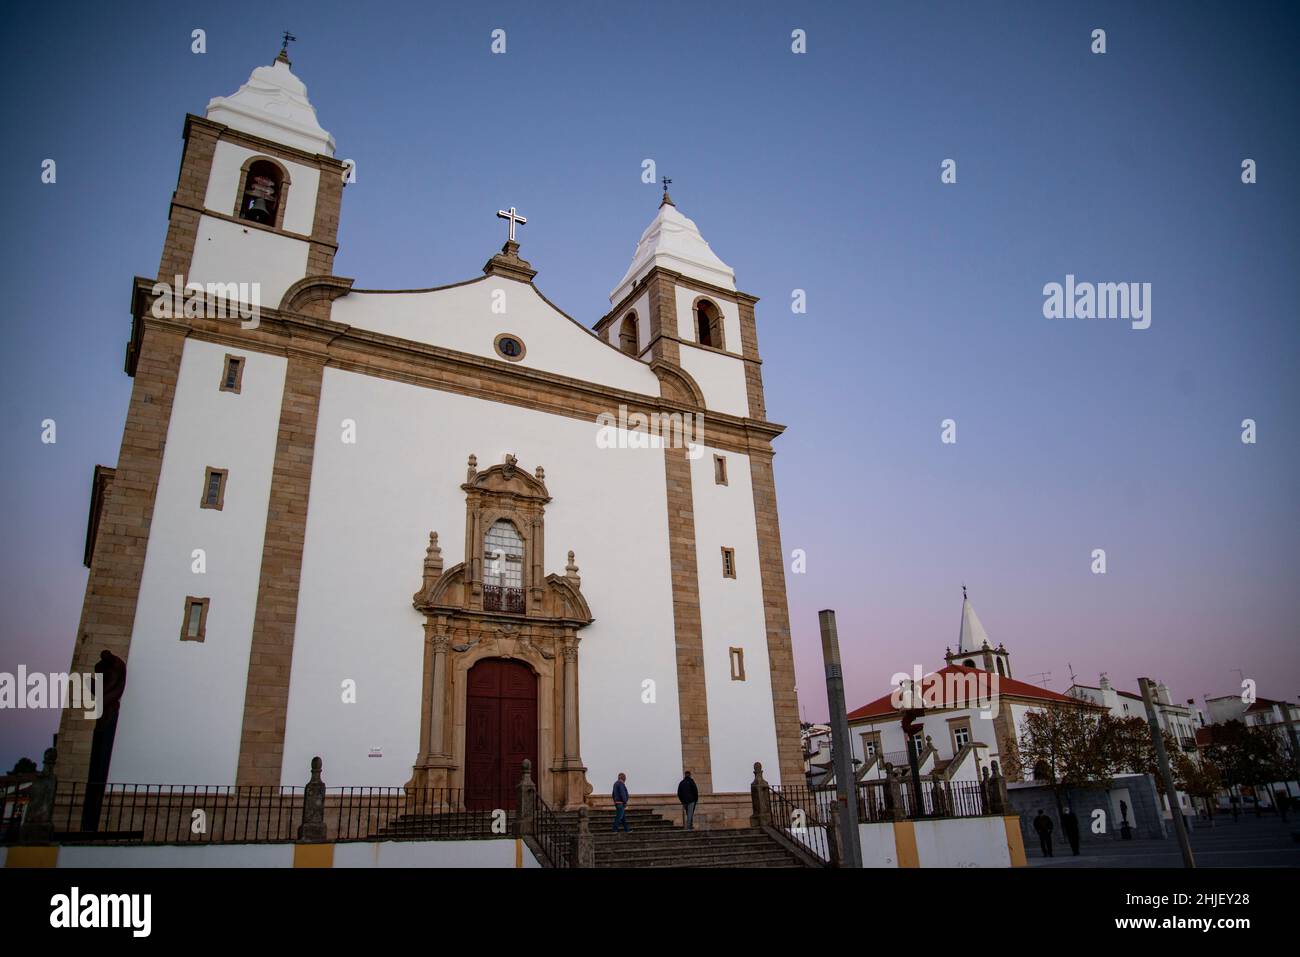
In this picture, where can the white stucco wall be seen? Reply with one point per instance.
(227, 252)
(182, 712)
(878, 848)
(177, 855)
(962, 842)
(720, 377)
(225, 186)
(462, 318)
(500, 853)
(372, 507)
(741, 723)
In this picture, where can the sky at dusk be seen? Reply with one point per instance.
(818, 172)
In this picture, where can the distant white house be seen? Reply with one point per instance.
(973, 714)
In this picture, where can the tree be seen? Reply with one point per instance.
(24, 766)
(1129, 748)
(1248, 756)
(1200, 777)
(1065, 746)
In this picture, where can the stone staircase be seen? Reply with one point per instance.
(655, 841)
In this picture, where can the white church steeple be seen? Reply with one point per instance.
(973, 647)
(273, 104)
(673, 242)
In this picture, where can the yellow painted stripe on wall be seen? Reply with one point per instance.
(45, 855)
(1015, 843)
(313, 855)
(905, 844)
(519, 852)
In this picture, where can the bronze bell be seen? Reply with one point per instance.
(259, 211)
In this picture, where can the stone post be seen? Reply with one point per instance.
(313, 807)
(1162, 761)
(38, 818)
(526, 816)
(760, 799)
(841, 748)
(894, 799)
(584, 850)
(998, 802)
(833, 839)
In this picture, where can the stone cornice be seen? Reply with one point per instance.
(261, 144)
(281, 332)
(685, 281)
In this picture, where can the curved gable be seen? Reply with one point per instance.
(469, 316)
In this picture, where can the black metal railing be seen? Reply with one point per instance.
(503, 598)
(803, 814)
(874, 802)
(14, 794)
(220, 814)
(939, 799)
(176, 814)
(551, 833)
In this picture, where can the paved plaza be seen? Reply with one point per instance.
(1247, 842)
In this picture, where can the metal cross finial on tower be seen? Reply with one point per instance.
(963, 592)
(514, 218)
(667, 200)
(284, 46)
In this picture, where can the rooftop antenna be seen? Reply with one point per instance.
(1045, 676)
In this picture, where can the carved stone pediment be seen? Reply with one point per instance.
(507, 480)
(562, 603)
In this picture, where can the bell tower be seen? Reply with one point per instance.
(255, 211)
(259, 192)
(973, 647)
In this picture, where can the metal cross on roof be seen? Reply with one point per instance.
(514, 218)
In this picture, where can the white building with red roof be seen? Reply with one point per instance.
(972, 710)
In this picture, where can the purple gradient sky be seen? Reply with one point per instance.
(818, 172)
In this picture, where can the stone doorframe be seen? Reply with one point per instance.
(459, 632)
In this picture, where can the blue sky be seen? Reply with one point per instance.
(817, 172)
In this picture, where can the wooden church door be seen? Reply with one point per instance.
(500, 732)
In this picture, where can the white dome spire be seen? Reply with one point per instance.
(674, 242)
(273, 104)
(973, 636)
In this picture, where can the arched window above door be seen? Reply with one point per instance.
(503, 568)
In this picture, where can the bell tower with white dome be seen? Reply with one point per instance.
(259, 192)
(973, 647)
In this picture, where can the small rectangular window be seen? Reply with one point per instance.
(232, 377)
(214, 488)
(737, 664)
(719, 470)
(195, 623)
(728, 563)
(960, 736)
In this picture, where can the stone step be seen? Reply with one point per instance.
(675, 842)
(721, 862)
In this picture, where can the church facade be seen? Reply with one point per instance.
(426, 534)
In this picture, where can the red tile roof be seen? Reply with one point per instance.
(1006, 687)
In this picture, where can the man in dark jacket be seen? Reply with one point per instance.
(688, 794)
(1070, 825)
(620, 803)
(1043, 825)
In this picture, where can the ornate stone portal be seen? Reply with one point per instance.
(499, 603)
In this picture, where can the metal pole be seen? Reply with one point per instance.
(845, 785)
(1162, 759)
